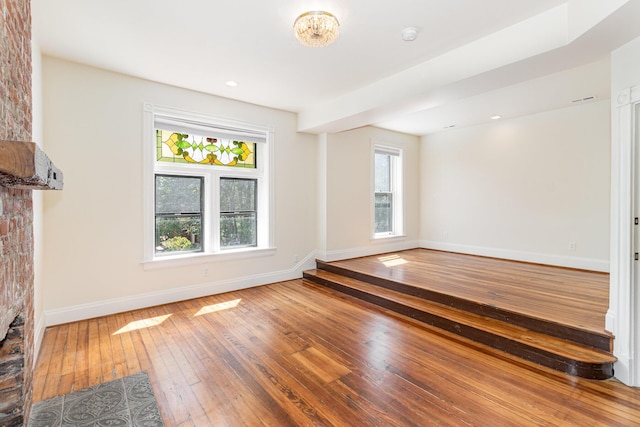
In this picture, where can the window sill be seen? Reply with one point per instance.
(205, 258)
(388, 237)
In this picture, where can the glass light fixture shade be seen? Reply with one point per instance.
(316, 28)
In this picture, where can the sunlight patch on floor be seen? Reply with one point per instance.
(218, 307)
(392, 260)
(141, 324)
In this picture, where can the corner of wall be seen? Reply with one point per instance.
(37, 133)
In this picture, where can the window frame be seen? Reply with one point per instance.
(211, 175)
(396, 185)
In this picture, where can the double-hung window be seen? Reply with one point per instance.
(210, 186)
(387, 191)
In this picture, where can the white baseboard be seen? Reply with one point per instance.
(533, 257)
(379, 246)
(610, 320)
(38, 336)
(133, 302)
(624, 370)
(149, 299)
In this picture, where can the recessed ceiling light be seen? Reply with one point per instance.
(232, 83)
(496, 117)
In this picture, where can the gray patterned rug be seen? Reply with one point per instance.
(125, 402)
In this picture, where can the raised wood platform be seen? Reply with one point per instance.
(548, 315)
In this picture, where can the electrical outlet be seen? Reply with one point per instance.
(572, 246)
(205, 271)
(295, 258)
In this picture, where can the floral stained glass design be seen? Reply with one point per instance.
(175, 147)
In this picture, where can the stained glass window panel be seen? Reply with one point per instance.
(176, 147)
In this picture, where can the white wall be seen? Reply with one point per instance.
(348, 192)
(623, 316)
(625, 67)
(93, 229)
(37, 197)
(522, 188)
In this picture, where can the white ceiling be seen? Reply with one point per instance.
(472, 59)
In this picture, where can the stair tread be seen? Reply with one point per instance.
(515, 333)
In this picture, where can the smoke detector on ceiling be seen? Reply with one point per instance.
(409, 34)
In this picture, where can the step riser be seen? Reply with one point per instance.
(532, 354)
(537, 325)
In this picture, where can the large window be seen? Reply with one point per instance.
(210, 186)
(387, 194)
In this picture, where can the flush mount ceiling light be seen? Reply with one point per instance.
(316, 28)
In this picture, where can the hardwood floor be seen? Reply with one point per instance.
(294, 353)
(549, 315)
(563, 295)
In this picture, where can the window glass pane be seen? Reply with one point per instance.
(178, 214)
(238, 216)
(185, 148)
(382, 172)
(178, 194)
(238, 229)
(237, 194)
(383, 213)
(178, 234)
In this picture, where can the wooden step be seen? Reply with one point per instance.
(583, 336)
(550, 351)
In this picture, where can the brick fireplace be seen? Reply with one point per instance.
(16, 213)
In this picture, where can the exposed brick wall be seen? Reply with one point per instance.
(15, 70)
(16, 219)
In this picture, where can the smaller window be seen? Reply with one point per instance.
(387, 183)
(238, 212)
(178, 214)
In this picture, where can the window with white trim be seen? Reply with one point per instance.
(387, 191)
(209, 189)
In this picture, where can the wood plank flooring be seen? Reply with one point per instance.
(294, 353)
(552, 350)
(566, 296)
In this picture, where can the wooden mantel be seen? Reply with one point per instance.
(24, 165)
